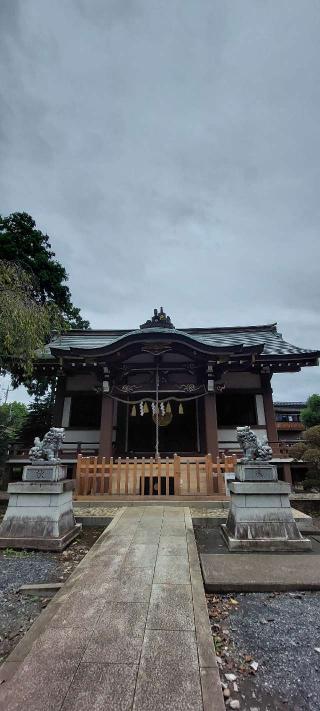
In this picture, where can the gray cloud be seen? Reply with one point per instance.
(171, 151)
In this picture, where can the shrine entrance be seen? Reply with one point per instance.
(179, 427)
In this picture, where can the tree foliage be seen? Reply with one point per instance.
(38, 420)
(34, 299)
(12, 417)
(308, 450)
(25, 324)
(310, 415)
(23, 244)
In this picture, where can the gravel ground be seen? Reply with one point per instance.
(19, 610)
(281, 633)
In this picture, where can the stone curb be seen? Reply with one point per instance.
(212, 697)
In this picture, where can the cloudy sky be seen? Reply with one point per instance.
(171, 150)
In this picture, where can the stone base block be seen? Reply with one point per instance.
(261, 518)
(259, 471)
(39, 515)
(270, 543)
(41, 543)
(44, 471)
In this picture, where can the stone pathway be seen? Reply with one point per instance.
(129, 630)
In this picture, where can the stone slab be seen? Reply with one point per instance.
(169, 675)
(303, 521)
(172, 569)
(144, 537)
(254, 572)
(49, 513)
(274, 540)
(44, 472)
(118, 636)
(41, 686)
(35, 500)
(43, 487)
(42, 544)
(79, 610)
(211, 690)
(256, 472)
(107, 687)
(132, 588)
(264, 487)
(171, 608)
(41, 589)
(173, 546)
(256, 514)
(141, 555)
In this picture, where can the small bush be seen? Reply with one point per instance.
(297, 450)
(312, 436)
(312, 481)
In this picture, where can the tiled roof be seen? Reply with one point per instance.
(267, 335)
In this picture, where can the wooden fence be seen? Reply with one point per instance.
(180, 476)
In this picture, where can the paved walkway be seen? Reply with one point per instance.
(130, 628)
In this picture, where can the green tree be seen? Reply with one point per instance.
(23, 244)
(25, 323)
(38, 420)
(12, 417)
(310, 415)
(308, 450)
(39, 299)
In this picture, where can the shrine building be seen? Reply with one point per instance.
(159, 390)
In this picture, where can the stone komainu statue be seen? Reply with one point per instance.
(253, 448)
(47, 450)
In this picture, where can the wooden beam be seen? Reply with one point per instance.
(287, 474)
(211, 425)
(106, 427)
(59, 401)
(271, 425)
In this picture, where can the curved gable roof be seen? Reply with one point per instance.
(263, 339)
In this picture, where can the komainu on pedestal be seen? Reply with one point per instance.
(40, 508)
(260, 517)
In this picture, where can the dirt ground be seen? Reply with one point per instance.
(18, 610)
(270, 644)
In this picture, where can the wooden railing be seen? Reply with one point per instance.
(71, 450)
(293, 426)
(281, 448)
(180, 476)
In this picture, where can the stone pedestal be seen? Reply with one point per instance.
(260, 517)
(40, 510)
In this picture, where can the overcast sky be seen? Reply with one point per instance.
(171, 150)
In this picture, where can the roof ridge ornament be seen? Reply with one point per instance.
(158, 319)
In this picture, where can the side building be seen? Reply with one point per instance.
(288, 421)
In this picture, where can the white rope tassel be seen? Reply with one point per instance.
(141, 408)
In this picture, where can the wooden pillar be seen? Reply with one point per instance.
(271, 426)
(59, 401)
(287, 475)
(106, 427)
(210, 412)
